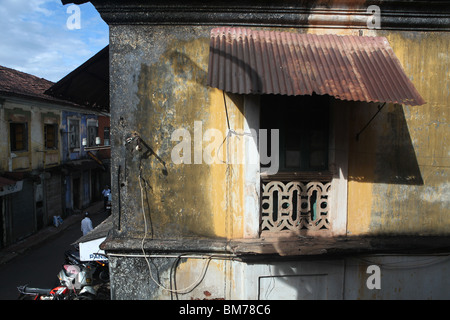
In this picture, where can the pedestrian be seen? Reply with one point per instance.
(86, 224)
(108, 210)
(106, 192)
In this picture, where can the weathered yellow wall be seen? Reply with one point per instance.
(19, 160)
(226, 179)
(418, 202)
(398, 170)
(37, 157)
(191, 199)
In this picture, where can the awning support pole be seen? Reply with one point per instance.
(379, 109)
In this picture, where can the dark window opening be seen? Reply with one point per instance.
(50, 136)
(106, 136)
(74, 133)
(92, 135)
(18, 136)
(303, 123)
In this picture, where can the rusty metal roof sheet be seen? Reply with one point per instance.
(357, 68)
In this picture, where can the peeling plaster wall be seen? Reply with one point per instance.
(397, 174)
(172, 278)
(158, 86)
(35, 115)
(158, 79)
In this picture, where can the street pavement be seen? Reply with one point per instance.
(37, 259)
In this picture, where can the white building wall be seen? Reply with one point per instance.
(363, 277)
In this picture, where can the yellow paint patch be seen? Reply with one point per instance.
(226, 178)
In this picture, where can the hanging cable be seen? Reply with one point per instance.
(230, 131)
(208, 258)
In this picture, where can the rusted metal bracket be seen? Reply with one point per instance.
(361, 131)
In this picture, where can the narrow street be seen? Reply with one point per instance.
(39, 267)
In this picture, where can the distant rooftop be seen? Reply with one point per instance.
(24, 85)
(88, 84)
(21, 83)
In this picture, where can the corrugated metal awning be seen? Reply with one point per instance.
(88, 84)
(356, 68)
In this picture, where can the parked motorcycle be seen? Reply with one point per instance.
(75, 284)
(77, 279)
(100, 268)
(57, 293)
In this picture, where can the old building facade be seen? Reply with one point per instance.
(38, 161)
(358, 92)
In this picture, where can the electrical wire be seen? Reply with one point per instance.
(205, 266)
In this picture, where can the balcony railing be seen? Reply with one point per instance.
(294, 204)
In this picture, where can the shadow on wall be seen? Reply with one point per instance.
(383, 152)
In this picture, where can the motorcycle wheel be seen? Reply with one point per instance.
(104, 275)
(86, 296)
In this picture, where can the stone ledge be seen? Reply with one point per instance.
(288, 246)
(395, 14)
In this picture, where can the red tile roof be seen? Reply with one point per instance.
(20, 83)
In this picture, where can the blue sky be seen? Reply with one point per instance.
(35, 38)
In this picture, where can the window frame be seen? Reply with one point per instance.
(13, 139)
(91, 123)
(106, 136)
(337, 163)
(71, 134)
(55, 133)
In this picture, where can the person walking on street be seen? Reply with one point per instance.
(86, 224)
(106, 192)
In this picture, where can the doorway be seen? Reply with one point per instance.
(76, 194)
